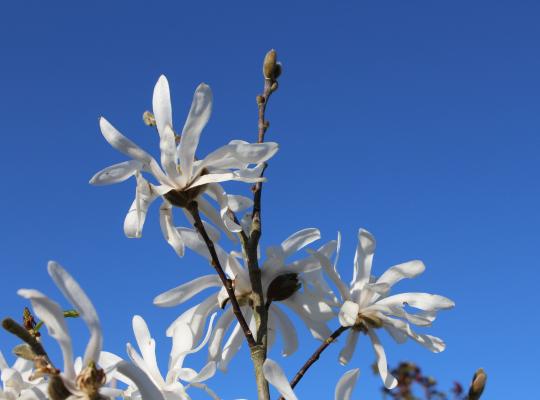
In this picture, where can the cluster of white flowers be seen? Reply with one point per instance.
(301, 282)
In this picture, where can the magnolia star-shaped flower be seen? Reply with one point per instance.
(181, 177)
(281, 283)
(183, 344)
(367, 305)
(276, 377)
(87, 383)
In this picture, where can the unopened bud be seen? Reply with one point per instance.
(283, 287)
(271, 68)
(149, 118)
(478, 384)
(24, 351)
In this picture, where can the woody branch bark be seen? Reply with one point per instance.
(315, 356)
(271, 71)
(193, 209)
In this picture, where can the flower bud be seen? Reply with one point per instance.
(271, 68)
(283, 287)
(478, 384)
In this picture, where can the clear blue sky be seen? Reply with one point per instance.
(418, 120)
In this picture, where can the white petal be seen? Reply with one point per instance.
(52, 315)
(169, 230)
(362, 262)
(221, 327)
(227, 223)
(348, 313)
(422, 301)
(316, 308)
(347, 352)
(299, 240)
(184, 292)
(255, 153)
(146, 387)
(200, 111)
(232, 345)
(288, 332)
(195, 317)
(275, 376)
(147, 347)
(144, 196)
(3, 363)
(195, 242)
(398, 272)
(345, 386)
(210, 212)
(239, 203)
(167, 146)
(389, 381)
(161, 104)
(332, 274)
(116, 173)
(126, 146)
(78, 299)
(318, 330)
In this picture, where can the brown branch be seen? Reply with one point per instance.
(22, 333)
(227, 283)
(315, 356)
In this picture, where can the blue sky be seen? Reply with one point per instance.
(417, 120)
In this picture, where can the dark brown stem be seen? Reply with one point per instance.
(315, 356)
(227, 283)
(22, 333)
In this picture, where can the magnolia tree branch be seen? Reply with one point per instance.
(315, 356)
(227, 283)
(271, 71)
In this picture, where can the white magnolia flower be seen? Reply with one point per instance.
(276, 377)
(17, 382)
(367, 305)
(181, 177)
(281, 281)
(170, 386)
(85, 383)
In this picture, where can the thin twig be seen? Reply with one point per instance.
(315, 356)
(227, 283)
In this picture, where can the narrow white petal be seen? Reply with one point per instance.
(239, 203)
(52, 315)
(146, 387)
(184, 292)
(78, 299)
(363, 259)
(388, 380)
(147, 347)
(161, 104)
(255, 153)
(348, 313)
(168, 229)
(220, 329)
(116, 173)
(332, 274)
(299, 240)
(288, 332)
(398, 272)
(276, 377)
(345, 385)
(200, 111)
(167, 146)
(136, 216)
(422, 301)
(318, 330)
(232, 346)
(216, 218)
(347, 352)
(316, 308)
